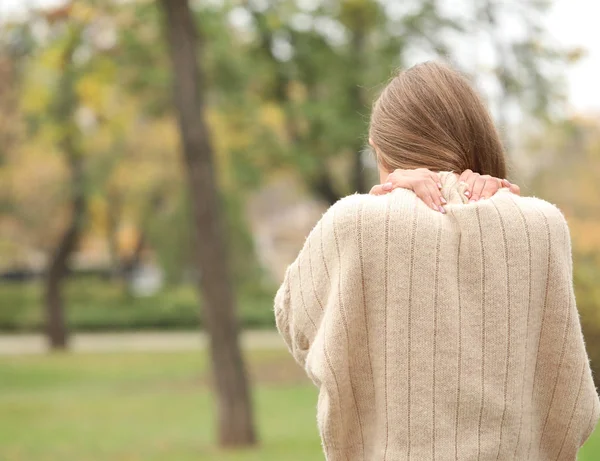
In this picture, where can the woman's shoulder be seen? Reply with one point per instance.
(536, 211)
(538, 206)
(364, 207)
(371, 204)
(540, 216)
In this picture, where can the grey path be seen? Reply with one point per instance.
(130, 342)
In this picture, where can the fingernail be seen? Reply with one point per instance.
(441, 208)
(443, 200)
(387, 186)
(467, 193)
(507, 182)
(439, 185)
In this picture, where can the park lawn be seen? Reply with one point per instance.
(146, 407)
(151, 407)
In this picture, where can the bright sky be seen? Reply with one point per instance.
(571, 23)
(575, 23)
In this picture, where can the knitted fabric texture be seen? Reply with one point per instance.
(441, 337)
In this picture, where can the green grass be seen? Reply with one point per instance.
(151, 407)
(144, 407)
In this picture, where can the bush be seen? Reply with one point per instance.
(587, 289)
(96, 305)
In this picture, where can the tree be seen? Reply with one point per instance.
(528, 67)
(64, 108)
(326, 61)
(231, 384)
(63, 97)
(68, 25)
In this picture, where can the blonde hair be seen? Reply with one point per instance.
(429, 116)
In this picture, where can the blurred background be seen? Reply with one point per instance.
(133, 228)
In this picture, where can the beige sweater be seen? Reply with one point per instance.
(441, 337)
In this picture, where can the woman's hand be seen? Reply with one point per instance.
(423, 182)
(426, 185)
(484, 186)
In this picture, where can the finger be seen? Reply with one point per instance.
(436, 179)
(395, 180)
(379, 189)
(478, 186)
(435, 196)
(395, 176)
(429, 193)
(465, 175)
(424, 194)
(492, 185)
(375, 190)
(512, 187)
(471, 181)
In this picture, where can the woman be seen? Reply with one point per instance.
(440, 336)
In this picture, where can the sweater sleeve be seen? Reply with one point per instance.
(298, 308)
(282, 311)
(562, 314)
(312, 279)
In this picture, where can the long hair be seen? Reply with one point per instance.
(429, 116)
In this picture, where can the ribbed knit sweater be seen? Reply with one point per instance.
(441, 337)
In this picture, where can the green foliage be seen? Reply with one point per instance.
(94, 305)
(288, 87)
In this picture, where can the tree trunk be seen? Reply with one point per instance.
(358, 101)
(113, 217)
(235, 418)
(62, 111)
(56, 329)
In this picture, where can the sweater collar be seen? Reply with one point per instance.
(453, 190)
